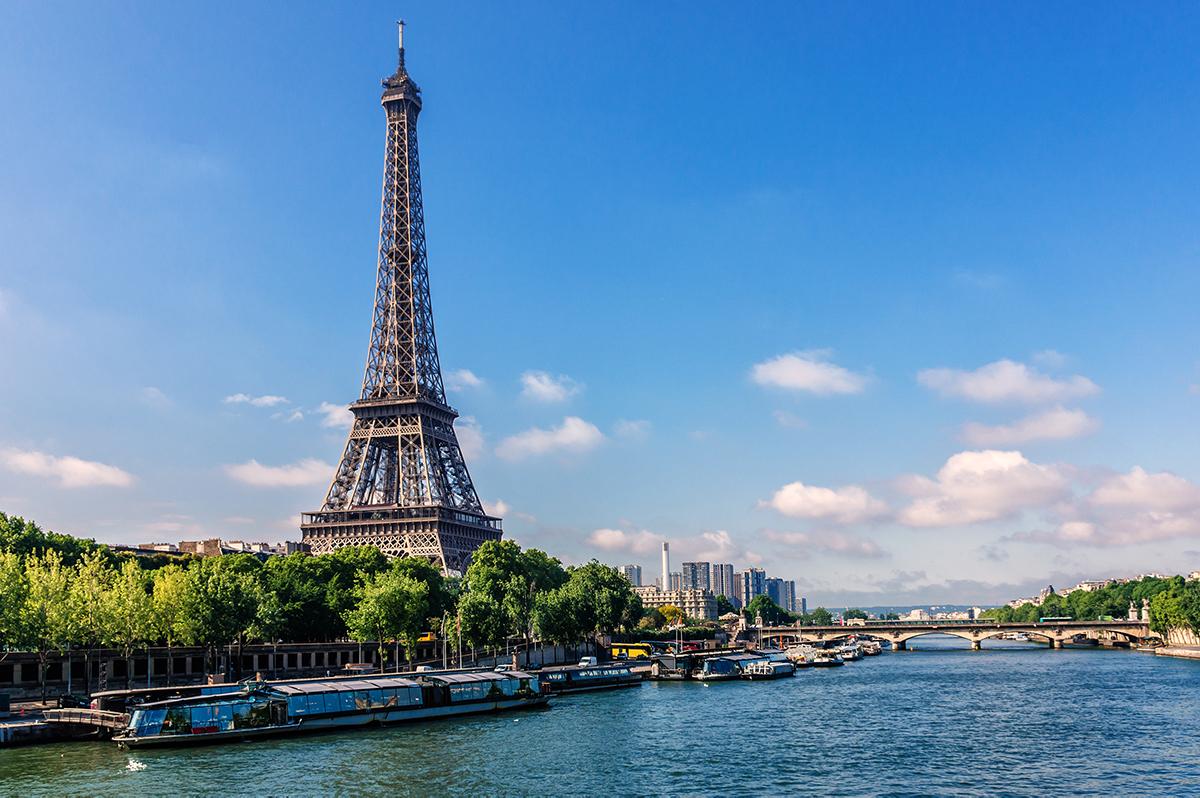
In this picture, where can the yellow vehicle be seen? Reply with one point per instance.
(428, 637)
(631, 651)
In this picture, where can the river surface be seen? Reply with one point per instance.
(942, 720)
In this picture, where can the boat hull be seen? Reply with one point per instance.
(378, 718)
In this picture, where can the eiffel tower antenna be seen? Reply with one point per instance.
(402, 484)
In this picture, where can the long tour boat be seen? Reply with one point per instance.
(264, 709)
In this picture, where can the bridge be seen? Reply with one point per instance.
(898, 633)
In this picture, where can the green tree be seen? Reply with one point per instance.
(725, 606)
(557, 615)
(128, 618)
(391, 606)
(855, 612)
(605, 598)
(772, 614)
(14, 590)
(90, 584)
(221, 602)
(46, 621)
(821, 617)
(169, 603)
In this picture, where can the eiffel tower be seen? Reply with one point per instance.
(402, 485)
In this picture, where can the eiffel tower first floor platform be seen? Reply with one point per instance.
(444, 536)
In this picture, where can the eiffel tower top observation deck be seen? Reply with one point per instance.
(402, 484)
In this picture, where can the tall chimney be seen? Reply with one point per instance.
(666, 557)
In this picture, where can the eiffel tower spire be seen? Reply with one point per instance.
(402, 484)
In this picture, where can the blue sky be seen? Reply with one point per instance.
(896, 301)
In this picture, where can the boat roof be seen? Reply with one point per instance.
(301, 688)
(192, 699)
(742, 657)
(484, 676)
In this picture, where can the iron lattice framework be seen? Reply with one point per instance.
(402, 485)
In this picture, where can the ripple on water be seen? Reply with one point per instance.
(942, 720)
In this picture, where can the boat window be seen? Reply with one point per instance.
(148, 722)
(347, 700)
(297, 705)
(178, 721)
(316, 703)
(376, 698)
(204, 719)
(414, 695)
(509, 686)
(225, 716)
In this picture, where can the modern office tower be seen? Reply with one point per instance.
(696, 576)
(633, 573)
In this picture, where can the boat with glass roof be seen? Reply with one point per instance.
(268, 709)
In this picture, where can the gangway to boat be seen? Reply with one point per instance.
(82, 722)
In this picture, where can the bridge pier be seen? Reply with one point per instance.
(1055, 643)
(899, 645)
(975, 645)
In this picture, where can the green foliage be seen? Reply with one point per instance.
(671, 614)
(818, 617)
(391, 606)
(724, 606)
(24, 538)
(503, 585)
(772, 614)
(855, 612)
(169, 606)
(1173, 603)
(14, 588)
(604, 598)
(222, 599)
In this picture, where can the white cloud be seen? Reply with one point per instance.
(828, 542)
(498, 508)
(632, 430)
(288, 417)
(470, 437)
(309, 471)
(807, 371)
(335, 416)
(462, 379)
(256, 401)
(846, 505)
(153, 397)
(573, 435)
(640, 542)
(540, 386)
(1163, 491)
(1051, 425)
(1005, 381)
(71, 472)
(982, 486)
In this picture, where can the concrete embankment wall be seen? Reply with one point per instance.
(1181, 642)
(1179, 636)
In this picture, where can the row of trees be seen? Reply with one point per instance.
(1174, 603)
(59, 594)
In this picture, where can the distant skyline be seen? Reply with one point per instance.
(899, 303)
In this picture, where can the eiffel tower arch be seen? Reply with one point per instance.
(402, 484)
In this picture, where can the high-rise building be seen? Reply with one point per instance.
(788, 594)
(696, 576)
(402, 485)
(665, 580)
(676, 581)
(721, 581)
(775, 589)
(803, 606)
(633, 573)
(753, 583)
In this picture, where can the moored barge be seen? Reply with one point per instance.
(264, 709)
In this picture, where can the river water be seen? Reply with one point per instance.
(1008, 720)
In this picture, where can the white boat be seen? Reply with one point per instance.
(766, 669)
